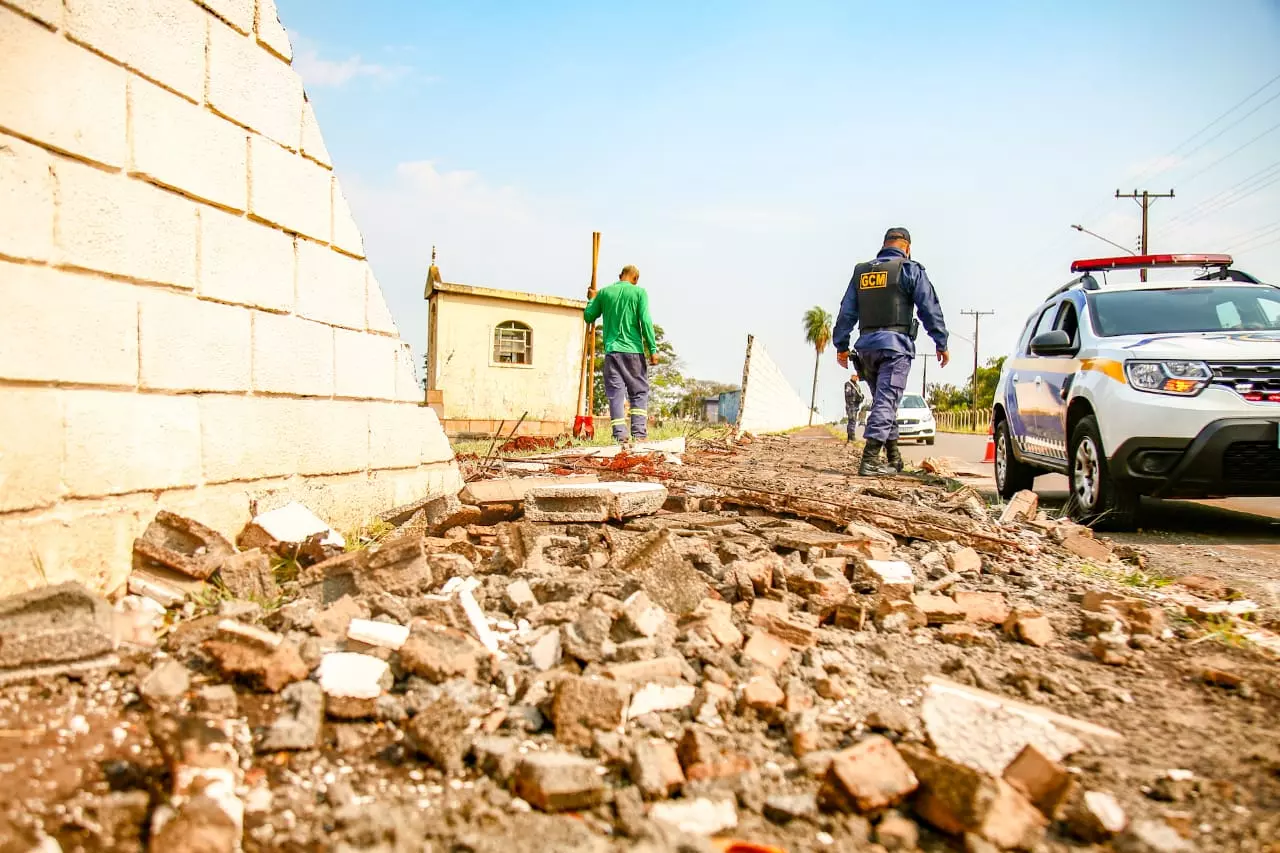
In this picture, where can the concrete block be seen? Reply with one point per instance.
(291, 523)
(267, 669)
(352, 676)
(292, 356)
(245, 262)
(108, 223)
(575, 503)
(300, 722)
(26, 200)
(253, 88)
(248, 438)
(312, 139)
(53, 625)
(435, 444)
(159, 39)
(271, 33)
(377, 315)
(30, 448)
(184, 146)
(584, 705)
(346, 234)
(288, 190)
(87, 541)
(364, 365)
(59, 95)
(237, 13)
(340, 441)
(330, 285)
(408, 390)
(248, 575)
(394, 430)
(191, 345)
(48, 11)
(1021, 507)
(440, 654)
(702, 816)
(128, 442)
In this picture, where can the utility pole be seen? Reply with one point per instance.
(1144, 200)
(977, 316)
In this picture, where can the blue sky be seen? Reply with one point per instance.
(747, 155)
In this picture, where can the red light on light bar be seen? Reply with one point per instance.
(1273, 398)
(1133, 262)
(1255, 397)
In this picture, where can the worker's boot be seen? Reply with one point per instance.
(872, 465)
(892, 455)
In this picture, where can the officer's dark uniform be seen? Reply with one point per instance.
(882, 299)
(853, 400)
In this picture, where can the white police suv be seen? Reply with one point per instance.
(1169, 389)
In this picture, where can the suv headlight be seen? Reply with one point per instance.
(1180, 378)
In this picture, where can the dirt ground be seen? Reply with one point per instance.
(84, 760)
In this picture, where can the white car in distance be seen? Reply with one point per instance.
(915, 420)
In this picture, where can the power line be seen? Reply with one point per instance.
(1144, 200)
(1201, 146)
(1230, 154)
(1152, 172)
(1274, 179)
(1211, 203)
(1270, 242)
(1241, 242)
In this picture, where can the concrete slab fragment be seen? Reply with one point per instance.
(56, 624)
(567, 503)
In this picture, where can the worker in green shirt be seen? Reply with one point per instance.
(628, 333)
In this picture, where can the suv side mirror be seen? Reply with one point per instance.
(1056, 342)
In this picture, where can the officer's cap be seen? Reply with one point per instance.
(897, 234)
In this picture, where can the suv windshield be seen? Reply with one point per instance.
(1190, 309)
(913, 401)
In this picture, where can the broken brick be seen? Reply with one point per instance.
(1096, 817)
(892, 579)
(556, 782)
(870, 542)
(266, 669)
(957, 799)
(1088, 548)
(761, 572)
(1029, 626)
(439, 654)
(183, 545)
(767, 650)
(669, 669)
(641, 617)
(668, 578)
(703, 756)
(762, 694)
(966, 634)
(655, 698)
(895, 832)
(655, 769)
(1021, 507)
(1040, 779)
(439, 732)
(984, 607)
(898, 616)
(583, 705)
(519, 598)
(248, 574)
(713, 620)
(867, 777)
(965, 561)
(938, 609)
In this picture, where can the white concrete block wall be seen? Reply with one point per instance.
(769, 403)
(186, 317)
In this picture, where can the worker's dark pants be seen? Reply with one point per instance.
(852, 430)
(886, 372)
(626, 380)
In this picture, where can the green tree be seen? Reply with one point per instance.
(817, 331)
(988, 376)
(695, 391)
(947, 398)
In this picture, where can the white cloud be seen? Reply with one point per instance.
(461, 191)
(319, 71)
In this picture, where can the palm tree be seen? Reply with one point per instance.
(817, 331)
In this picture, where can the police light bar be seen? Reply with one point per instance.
(1133, 262)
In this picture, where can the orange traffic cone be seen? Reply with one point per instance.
(990, 455)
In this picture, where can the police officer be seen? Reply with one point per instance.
(882, 298)
(853, 400)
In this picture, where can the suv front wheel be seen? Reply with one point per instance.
(1096, 498)
(1012, 476)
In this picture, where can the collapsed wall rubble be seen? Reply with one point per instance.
(722, 667)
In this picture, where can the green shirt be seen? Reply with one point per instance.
(627, 325)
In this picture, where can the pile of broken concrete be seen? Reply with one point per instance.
(678, 665)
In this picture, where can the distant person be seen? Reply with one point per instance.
(881, 300)
(853, 400)
(628, 333)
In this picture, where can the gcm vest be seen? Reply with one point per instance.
(882, 305)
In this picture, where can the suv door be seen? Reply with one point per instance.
(1055, 374)
(1027, 386)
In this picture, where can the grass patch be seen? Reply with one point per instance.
(1224, 631)
(1126, 577)
(286, 569)
(688, 431)
(370, 533)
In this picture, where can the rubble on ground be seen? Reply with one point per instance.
(753, 644)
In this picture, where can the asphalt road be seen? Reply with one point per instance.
(1248, 517)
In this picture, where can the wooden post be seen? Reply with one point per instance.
(590, 333)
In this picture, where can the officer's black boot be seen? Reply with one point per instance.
(892, 455)
(872, 466)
